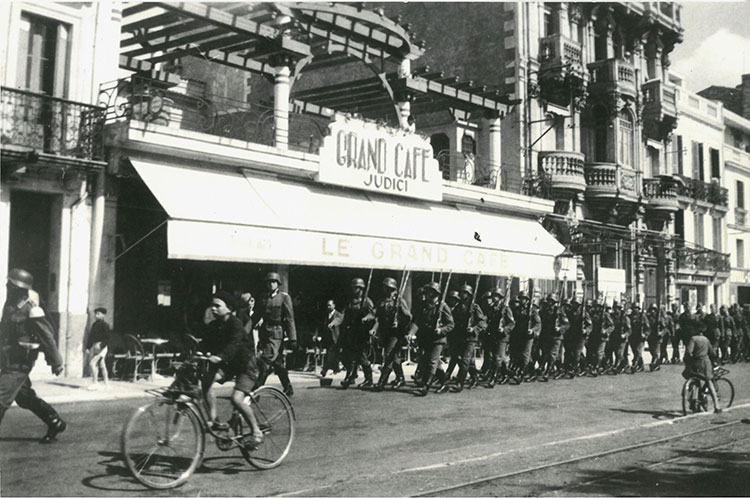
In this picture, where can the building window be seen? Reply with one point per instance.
(679, 153)
(715, 166)
(740, 253)
(653, 160)
(679, 224)
(43, 56)
(716, 223)
(698, 226)
(626, 140)
(549, 22)
(740, 194)
(698, 161)
(601, 126)
(441, 150)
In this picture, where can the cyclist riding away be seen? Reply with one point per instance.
(231, 354)
(699, 358)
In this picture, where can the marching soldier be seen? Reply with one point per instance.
(488, 361)
(602, 327)
(713, 327)
(639, 332)
(576, 336)
(393, 320)
(357, 328)
(528, 327)
(619, 338)
(554, 344)
(433, 322)
(24, 331)
(739, 332)
(500, 326)
(660, 328)
(727, 333)
(276, 318)
(454, 342)
(470, 321)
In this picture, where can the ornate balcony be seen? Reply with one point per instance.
(700, 259)
(610, 181)
(54, 127)
(612, 75)
(558, 52)
(565, 171)
(660, 108)
(661, 194)
(694, 189)
(562, 79)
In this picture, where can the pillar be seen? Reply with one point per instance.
(495, 149)
(404, 101)
(281, 89)
(97, 233)
(4, 238)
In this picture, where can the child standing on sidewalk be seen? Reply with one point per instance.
(96, 348)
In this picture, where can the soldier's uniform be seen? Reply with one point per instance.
(433, 322)
(453, 348)
(576, 337)
(639, 332)
(739, 333)
(488, 360)
(620, 338)
(553, 343)
(500, 326)
(727, 334)
(470, 321)
(528, 327)
(660, 327)
(393, 319)
(24, 332)
(356, 329)
(711, 322)
(277, 313)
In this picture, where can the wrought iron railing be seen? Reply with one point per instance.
(189, 107)
(701, 258)
(701, 191)
(51, 125)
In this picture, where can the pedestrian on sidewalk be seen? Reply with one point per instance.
(96, 348)
(24, 331)
(329, 334)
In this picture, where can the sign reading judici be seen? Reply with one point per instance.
(368, 156)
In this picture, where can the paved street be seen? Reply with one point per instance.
(354, 443)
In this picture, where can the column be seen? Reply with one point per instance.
(4, 238)
(281, 89)
(494, 150)
(404, 100)
(97, 234)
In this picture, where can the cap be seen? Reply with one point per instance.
(466, 288)
(21, 278)
(390, 282)
(101, 310)
(358, 282)
(273, 276)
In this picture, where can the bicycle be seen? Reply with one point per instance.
(696, 396)
(164, 441)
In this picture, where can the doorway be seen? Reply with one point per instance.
(29, 248)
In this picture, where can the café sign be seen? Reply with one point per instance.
(369, 156)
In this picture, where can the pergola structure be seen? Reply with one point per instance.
(283, 40)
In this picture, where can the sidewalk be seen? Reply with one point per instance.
(71, 390)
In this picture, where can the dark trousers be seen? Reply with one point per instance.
(392, 358)
(551, 350)
(272, 360)
(573, 351)
(620, 348)
(16, 386)
(654, 347)
(466, 363)
(332, 358)
(676, 338)
(429, 362)
(636, 346)
(357, 358)
(663, 355)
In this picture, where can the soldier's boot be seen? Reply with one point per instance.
(348, 379)
(473, 378)
(54, 428)
(398, 383)
(425, 389)
(368, 377)
(384, 374)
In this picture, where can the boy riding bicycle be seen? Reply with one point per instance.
(699, 358)
(231, 354)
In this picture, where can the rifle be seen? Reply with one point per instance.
(367, 289)
(583, 304)
(508, 283)
(442, 300)
(473, 298)
(401, 289)
(531, 303)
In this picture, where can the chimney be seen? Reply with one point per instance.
(745, 96)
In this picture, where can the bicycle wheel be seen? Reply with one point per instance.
(163, 444)
(276, 419)
(725, 392)
(690, 396)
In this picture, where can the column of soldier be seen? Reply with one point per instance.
(520, 340)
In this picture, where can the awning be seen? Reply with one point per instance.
(225, 215)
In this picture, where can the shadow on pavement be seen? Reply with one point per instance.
(657, 414)
(696, 473)
(115, 476)
(18, 439)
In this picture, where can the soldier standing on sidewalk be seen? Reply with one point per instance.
(276, 317)
(24, 331)
(393, 320)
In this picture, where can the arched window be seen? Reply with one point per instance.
(441, 149)
(626, 139)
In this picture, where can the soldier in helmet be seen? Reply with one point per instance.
(24, 331)
(433, 322)
(639, 332)
(393, 320)
(469, 321)
(601, 329)
(275, 319)
(619, 338)
(454, 342)
(500, 325)
(528, 327)
(357, 328)
(576, 336)
(488, 361)
(660, 328)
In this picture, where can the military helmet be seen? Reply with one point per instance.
(390, 282)
(21, 278)
(434, 287)
(453, 295)
(486, 294)
(358, 282)
(273, 276)
(498, 291)
(466, 288)
(522, 295)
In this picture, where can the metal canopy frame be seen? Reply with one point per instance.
(307, 37)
